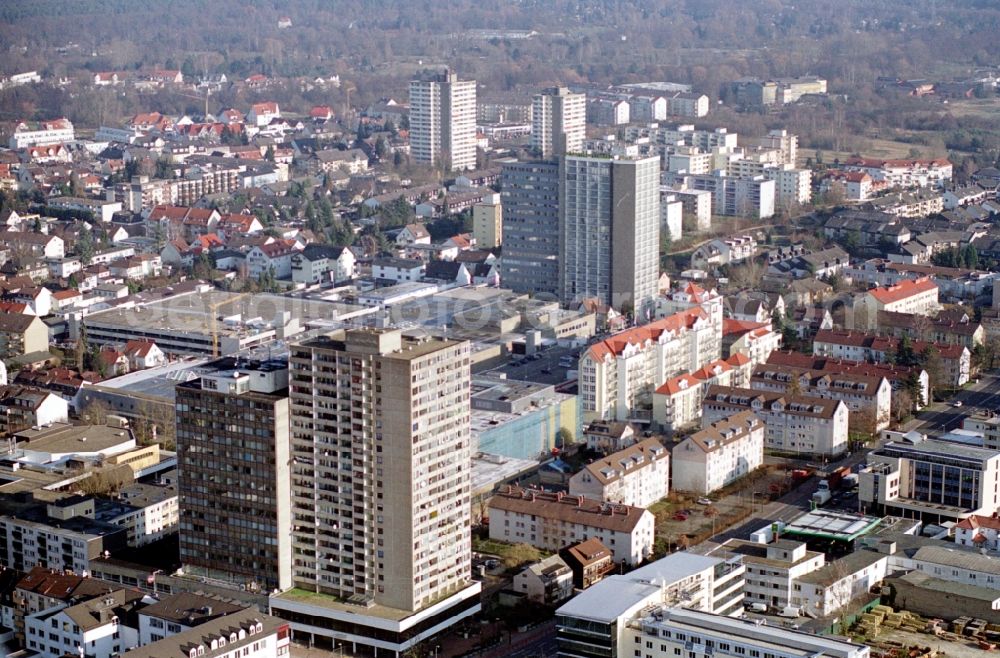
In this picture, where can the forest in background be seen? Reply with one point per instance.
(377, 45)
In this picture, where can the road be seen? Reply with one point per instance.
(943, 416)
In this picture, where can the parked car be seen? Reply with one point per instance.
(956, 403)
(680, 516)
(704, 501)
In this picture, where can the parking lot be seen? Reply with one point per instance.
(542, 366)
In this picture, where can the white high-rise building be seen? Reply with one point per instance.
(558, 122)
(610, 230)
(380, 432)
(443, 121)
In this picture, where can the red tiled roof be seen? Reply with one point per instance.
(648, 332)
(902, 290)
(978, 521)
(139, 348)
(731, 326)
(678, 384)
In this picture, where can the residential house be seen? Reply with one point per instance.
(755, 340)
(413, 234)
(547, 582)
(979, 532)
(608, 436)
(275, 258)
(590, 561)
(723, 251)
(143, 354)
(318, 263)
(261, 114)
(22, 334)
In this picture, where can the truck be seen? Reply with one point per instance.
(849, 482)
(822, 495)
(836, 476)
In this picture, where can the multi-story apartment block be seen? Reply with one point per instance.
(956, 360)
(938, 480)
(56, 131)
(380, 487)
(487, 225)
(829, 589)
(792, 187)
(773, 568)
(443, 121)
(247, 634)
(552, 521)
(637, 476)
(677, 402)
(724, 251)
(234, 482)
(619, 374)
(916, 296)
(96, 627)
(63, 544)
(754, 340)
(719, 454)
(558, 122)
(597, 621)
(609, 211)
(784, 142)
(731, 196)
(903, 173)
(800, 424)
(530, 200)
(910, 385)
(319, 263)
(665, 631)
(868, 396)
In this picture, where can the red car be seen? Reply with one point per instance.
(680, 516)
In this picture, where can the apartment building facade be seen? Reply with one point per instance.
(558, 122)
(619, 374)
(867, 396)
(529, 200)
(552, 521)
(638, 476)
(798, 424)
(609, 231)
(380, 449)
(719, 454)
(233, 458)
(443, 121)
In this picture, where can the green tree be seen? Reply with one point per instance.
(85, 245)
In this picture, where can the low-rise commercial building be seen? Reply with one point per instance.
(937, 480)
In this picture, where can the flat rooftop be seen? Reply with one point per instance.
(826, 524)
(200, 313)
(489, 471)
(63, 439)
